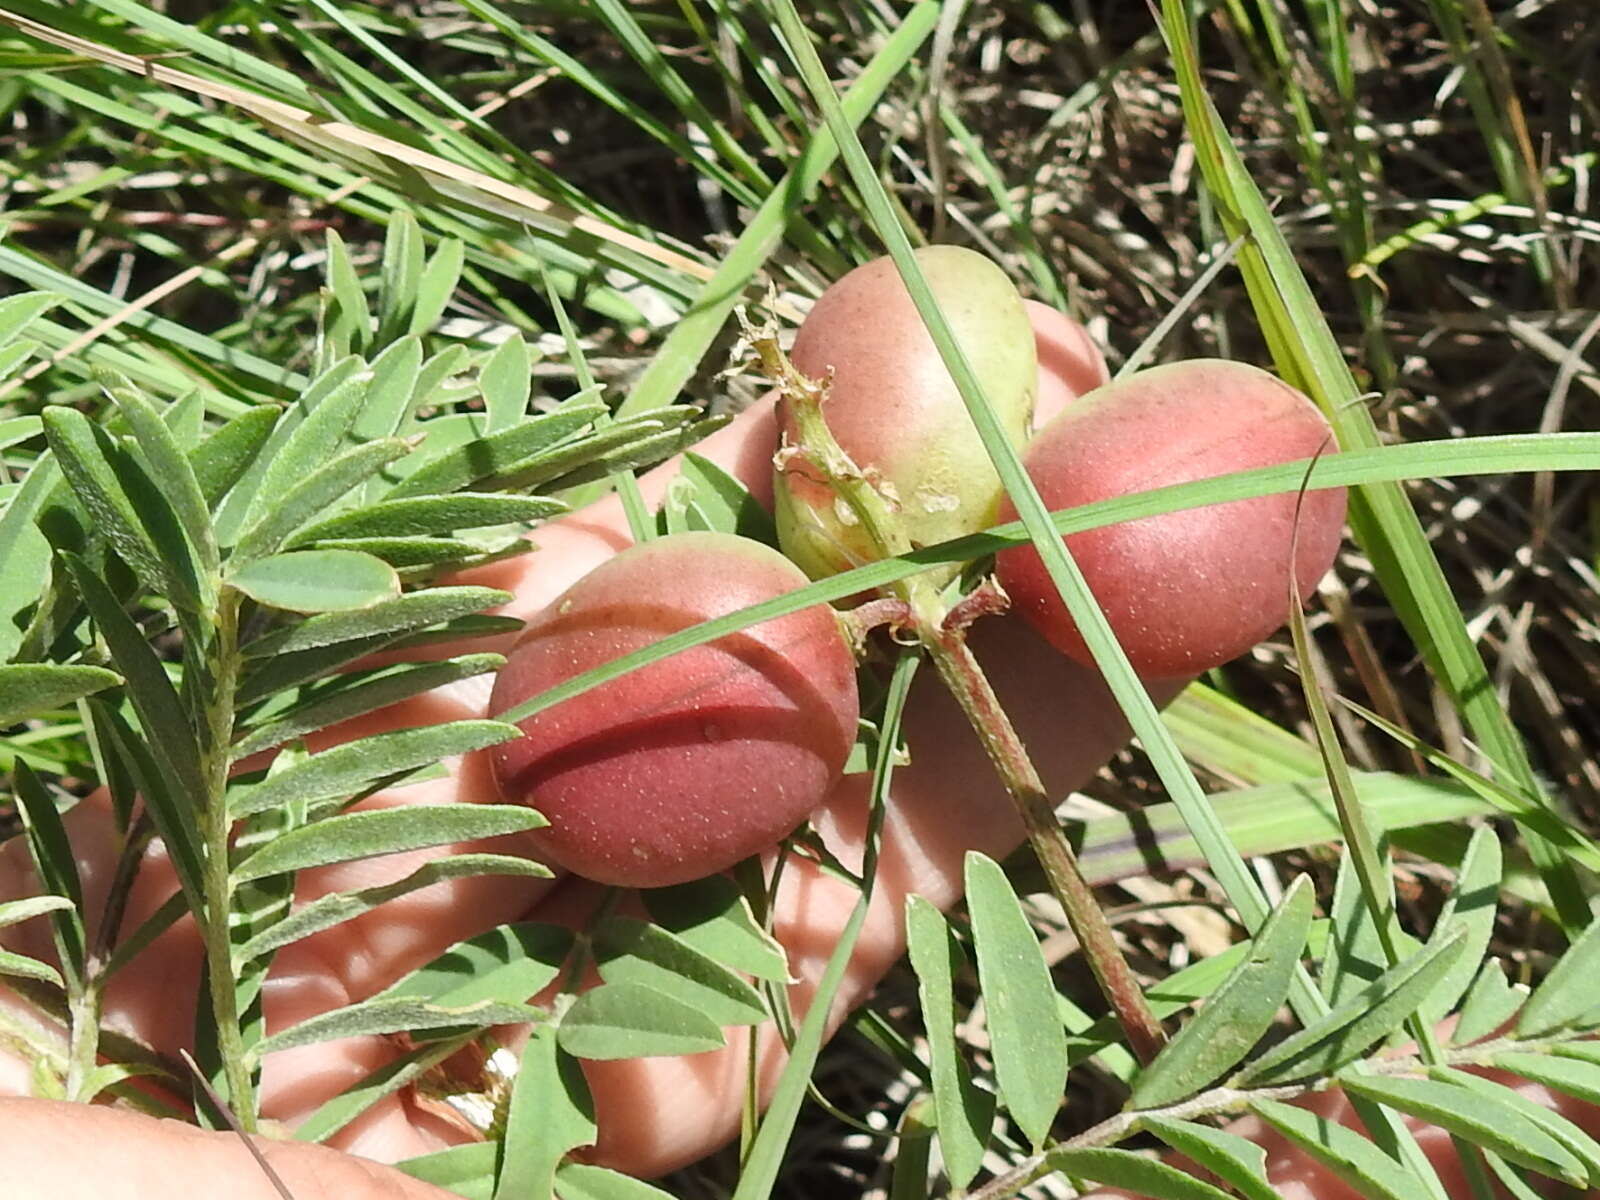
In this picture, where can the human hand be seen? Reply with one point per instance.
(943, 804)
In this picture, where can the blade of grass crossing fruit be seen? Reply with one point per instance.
(765, 1158)
(1472, 455)
(1384, 522)
(1237, 881)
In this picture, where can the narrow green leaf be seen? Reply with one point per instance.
(619, 447)
(168, 463)
(1474, 1117)
(24, 551)
(460, 466)
(316, 581)
(1134, 1172)
(185, 417)
(390, 394)
(964, 1114)
(507, 964)
(221, 460)
(1490, 1002)
(764, 1160)
(327, 911)
(20, 966)
(344, 770)
(1471, 905)
(628, 950)
(1561, 1071)
(437, 285)
(18, 429)
(415, 610)
(581, 1181)
(31, 688)
(399, 276)
(420, 516)
(1356, 1161)
(1346, 1032)
(289, 670)
(171, 807)
(712, 499)
(1027, 1040)
(551, 1113)
(1567, 1132)
(1236, 1161)
(13, 912)
(126, 506)
(406, 553)
(18, 312)
(1568, 992)
(505, 380)
(347, 327)
(1235, 1016)
(1385, 524)
(359, 835)
(628, 1020)
(390, 1014)
(467, 1171)
(713, 916)
(55, 865)
(359, 693)
(307, 496)
(333, 1115)
(312, 443)
(1355, 955)
(161, 712)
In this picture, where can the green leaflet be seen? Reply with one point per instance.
(964, 1114)
(629, 1020)
(1346, 1032)
(315, 581)
(1027, 1040)
(1236, 1015)
(352, 695)
(391, 1014)
(351, 767)
(628, 950)
(1237, 1161)
(551, 1113)
(1567, 996)
(1351, 1157)
(359, 835)
(713, 916)
(30, 688)
(1490, 1002)
(1479, 1118)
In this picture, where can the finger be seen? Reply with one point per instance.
(83, 1152)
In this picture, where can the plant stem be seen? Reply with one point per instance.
(218, 885)
(84, 1051)
(967, 682)
(943, 633)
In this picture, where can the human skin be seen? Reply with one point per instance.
(655, 1114)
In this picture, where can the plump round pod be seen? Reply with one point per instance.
(895, 410)
(1186, 591)
(684, 767)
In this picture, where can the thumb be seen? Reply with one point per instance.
(72, 1151)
